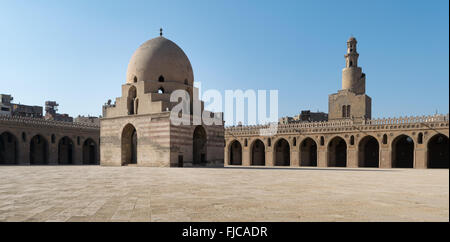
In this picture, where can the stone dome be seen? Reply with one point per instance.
(160, 57)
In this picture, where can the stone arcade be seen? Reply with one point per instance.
(35, 141)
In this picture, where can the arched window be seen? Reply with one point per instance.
(78, 140)
(348, 111)
(161, 79)
(294, 141)
(186, 81)
(132, 93)
(53, 138)
(352, 140)
(161, 90)
(420, 138)
(24, 137)
(269, 142)
(322, 141)
(245, 143)
(344, 111)
(135, 79)
(351, 63)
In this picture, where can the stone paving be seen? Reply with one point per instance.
(94, 193)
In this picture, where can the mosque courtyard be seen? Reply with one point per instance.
(94, 193)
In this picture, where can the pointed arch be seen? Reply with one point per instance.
(403, 152)
(65, 151)
(369, 152)
(89, 152)
(337, 152)
(38, 150)
(9, 149)
(132, 93)
(199, 145)
(258, 153)
(129, 142)
(282, 153)
(308, 152)
(438, 156)
(235, 153)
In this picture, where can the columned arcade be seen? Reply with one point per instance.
(396, 143)
(32, 141)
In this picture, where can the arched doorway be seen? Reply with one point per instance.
(369, 152)
(403, 152)
(199, 145)
(65, 151)
(8, 149)
(38, 150)
(282, 153)
(258, 153)
(308, 152)
(129, 145)
(337, 152)
(438, 152)
(235, 153)
(89, 152)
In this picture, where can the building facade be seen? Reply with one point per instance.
(36, 141)
(137, 130)
(350, 138)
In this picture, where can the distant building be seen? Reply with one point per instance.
(51, 114)
(305, 116)
(88, 119)
(11, 109)
(5, 104)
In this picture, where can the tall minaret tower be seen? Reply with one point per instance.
(353, 79)
(351, 102)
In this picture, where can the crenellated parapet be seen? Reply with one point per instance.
(409, 120)
(39, 122)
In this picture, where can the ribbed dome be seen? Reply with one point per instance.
(160, 57)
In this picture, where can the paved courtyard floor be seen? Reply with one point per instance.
(94, 193)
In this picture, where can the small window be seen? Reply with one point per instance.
(161, 90)
(322, 141)
(186, 81)
(53, 138)
(348, 111)
(344, 111)
(135, 79)
(295, 141)
(384, 139)
(420, 138)
(161, 79)
(269, 142)
(245, 143)
(352, 140)
(24, 137)
(78, 140)
(351, 63)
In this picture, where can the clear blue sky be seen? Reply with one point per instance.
(76, 52)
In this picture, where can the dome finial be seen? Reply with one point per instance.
(160, 31)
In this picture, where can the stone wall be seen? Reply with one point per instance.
(23, 129)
